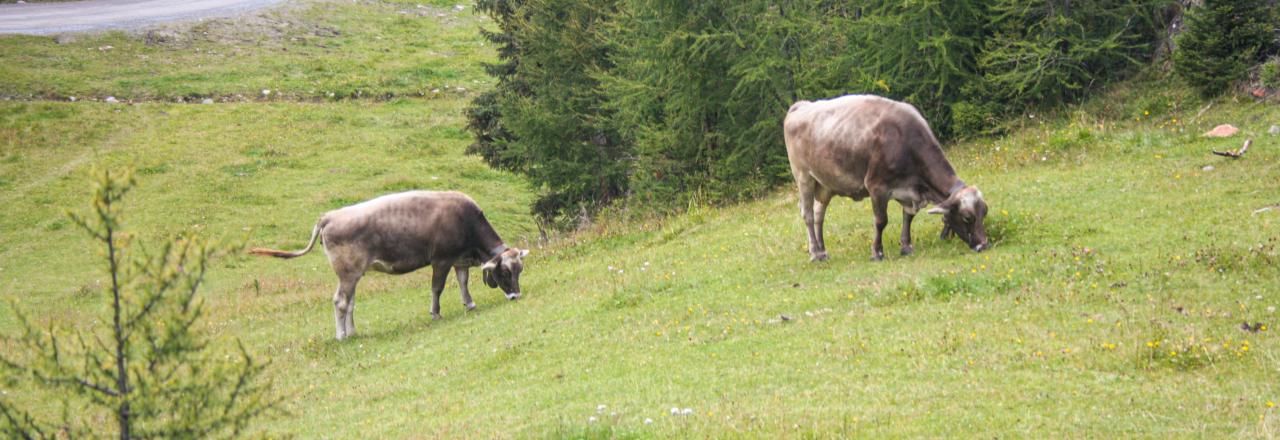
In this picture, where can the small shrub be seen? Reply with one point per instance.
(1270, 73)
(142, 371)
(974, 118)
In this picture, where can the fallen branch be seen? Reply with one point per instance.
(1201, 112)
(1236, 154)
(1266, 208)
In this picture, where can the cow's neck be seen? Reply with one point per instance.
(488, 243)
(939, 175)
(497, 250)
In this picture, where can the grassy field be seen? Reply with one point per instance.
(1111, 305)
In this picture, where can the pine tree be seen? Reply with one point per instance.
(149, 369)
(923, 52)
(1052, 51)
(546, 118)
(700, 88)
(1222, 40)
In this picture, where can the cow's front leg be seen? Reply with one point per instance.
(439, 274)
(880, 206)
(461, 272)
(907, 216)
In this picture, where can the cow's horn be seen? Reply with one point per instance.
(938, 210)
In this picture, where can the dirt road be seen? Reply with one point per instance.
(92, 15)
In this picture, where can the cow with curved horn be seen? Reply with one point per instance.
(861, 146)
(401, 233)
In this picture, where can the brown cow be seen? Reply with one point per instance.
(401, 233)
(861, 145)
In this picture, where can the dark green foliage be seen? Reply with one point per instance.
(1046, 52)
(146, 367)
(924, 52)
(665, 99)
(1223, 39)
(546, 117)
(1269, 75)
(700, 90)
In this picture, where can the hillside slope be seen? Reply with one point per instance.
(1111, 304)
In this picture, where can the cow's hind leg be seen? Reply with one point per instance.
(907, 216)
(880, 206)
(461, 272)
(344, 305)
(821, 200)
(808, 190)
(439, 275)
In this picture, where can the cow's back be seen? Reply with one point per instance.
(834, 140)
(406, 229)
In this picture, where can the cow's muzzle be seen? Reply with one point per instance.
(513, 296)
(981, 247)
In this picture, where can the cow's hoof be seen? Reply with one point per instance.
(470, 306)
(436, 317)
(878, 256)
(819, 256)
(908, 250)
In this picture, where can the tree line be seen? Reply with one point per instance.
(656, 102)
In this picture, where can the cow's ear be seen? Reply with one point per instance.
(489, 279)
(946, 231)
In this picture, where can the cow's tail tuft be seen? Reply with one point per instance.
(315, 232)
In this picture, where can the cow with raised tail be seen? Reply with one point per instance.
(401, 233)
(861, 146)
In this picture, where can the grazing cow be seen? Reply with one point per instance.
(401, 233)
(861, 145)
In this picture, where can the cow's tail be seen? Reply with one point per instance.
(315, 232)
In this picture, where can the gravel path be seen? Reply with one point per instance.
(93, 15)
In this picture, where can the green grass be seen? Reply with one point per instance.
(1110, 306)
(330, 50)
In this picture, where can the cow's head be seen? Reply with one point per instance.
(503, 271)
(962, 215)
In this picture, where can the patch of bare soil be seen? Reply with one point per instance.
(270, 28)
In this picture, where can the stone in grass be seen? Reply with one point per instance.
(1208, 168)
(1224, 130)
(206, 101)
(1274, 130)
(112, 100)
